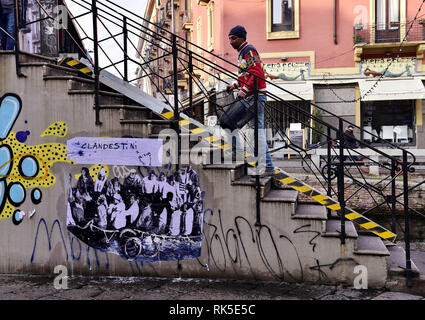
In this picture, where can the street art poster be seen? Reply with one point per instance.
(388, 67)
(146, 215)
(115, 151)
(287, 71)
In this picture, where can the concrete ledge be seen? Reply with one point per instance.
(104, 93)
(148, 121)
(265, 183)
(68, 77)
(310, 211)
(280, 195)
(370, 245)
(333, 229)
(224, 166)
(398, 261)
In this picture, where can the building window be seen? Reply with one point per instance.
(282, 19)
(391, 120)
(387, 14)
(387, 20)
(282, 15)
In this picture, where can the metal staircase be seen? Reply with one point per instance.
(118, 92)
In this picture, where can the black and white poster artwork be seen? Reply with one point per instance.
(146, 215)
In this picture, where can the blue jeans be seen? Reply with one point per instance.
(263, 149)
(7, 22)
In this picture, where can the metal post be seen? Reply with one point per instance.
(96, 63)
(341, 195)
(329, 172)
(335, 21)
(393, 199)
(190, 80)
(256, 154)
(125, 35)
(176, 100)
(406, 218)
(16, 35)
(173, 27)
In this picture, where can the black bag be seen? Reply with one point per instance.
(237, 114)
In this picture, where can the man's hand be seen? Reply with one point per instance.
(241, 94)
(230, 87)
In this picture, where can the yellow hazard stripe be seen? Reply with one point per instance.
(184, 122)
(369, 225)
(224, 146)
(212, 139)
(85, 70)
(72, 63)
(288, 180)
(385, 235)
(301, 189)
(198, 130)
(168, 115)
(335, 206)
(352, 216)
(320, 198)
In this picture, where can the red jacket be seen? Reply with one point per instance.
(249, 60)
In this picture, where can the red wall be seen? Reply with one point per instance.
(316, 28)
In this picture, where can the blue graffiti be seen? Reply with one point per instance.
(49, 236)
(10, 108)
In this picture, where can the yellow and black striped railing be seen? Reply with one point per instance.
(75, 64)
(285, 178)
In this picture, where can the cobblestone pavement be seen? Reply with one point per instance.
(20, 287)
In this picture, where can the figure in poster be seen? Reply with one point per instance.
(123, 216)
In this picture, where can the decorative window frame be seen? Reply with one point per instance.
(199, 32)
(293, 34)
(210, 22)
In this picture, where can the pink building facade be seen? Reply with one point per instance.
(359, 59)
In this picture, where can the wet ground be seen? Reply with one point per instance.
(26, 287)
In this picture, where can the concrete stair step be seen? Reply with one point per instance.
(148, 121)
(310, 211)
(237, 170)
(125, 107)
(333, 229)
(68, 77)
(398, 261)
(278, 195)
(101, 92)
(137, 112)
(155, 126)
(370, 245)
(265, 183)
(50, 69)
(26, 57)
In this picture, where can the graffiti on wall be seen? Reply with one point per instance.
(156, 217)
(25, 169)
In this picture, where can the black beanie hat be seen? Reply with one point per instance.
(238, 31)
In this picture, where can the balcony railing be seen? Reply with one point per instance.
(387, 33)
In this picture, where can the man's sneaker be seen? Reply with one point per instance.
(269, 172)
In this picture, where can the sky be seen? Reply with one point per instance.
(113, 51)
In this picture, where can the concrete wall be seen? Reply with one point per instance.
(281, 249)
